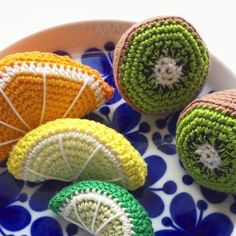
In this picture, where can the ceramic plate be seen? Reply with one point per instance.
(177, 205)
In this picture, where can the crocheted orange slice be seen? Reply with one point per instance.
(38, 87)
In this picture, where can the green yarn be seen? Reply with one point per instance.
(141, 224)
(204, 125)
(152, 42)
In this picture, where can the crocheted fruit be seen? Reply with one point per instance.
(206, 140)
(102, 209)
(71, 149)
(160, 65)
(38, 87)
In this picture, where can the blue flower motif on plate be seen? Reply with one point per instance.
(101, 60)
(40, 198)
(46, 226)
(72, 229)
(165, 143)
(125, 120)
(185, 221)
(13, 217)
(213, 196)
(210, 195)
(148, 195)
(186, 218)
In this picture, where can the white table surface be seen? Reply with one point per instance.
(215, 20)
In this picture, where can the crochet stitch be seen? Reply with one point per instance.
(102, 209)
(160, 65)
(206, 141)
(38, 87)
(75, 149)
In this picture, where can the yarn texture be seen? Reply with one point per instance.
(160, 65)
(39, 87)
(77, 149)
(102, 209)
(206, 140)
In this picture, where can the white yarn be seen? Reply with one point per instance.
(75, 135)
(114, 180)
(95, 215)
(77, 96)
(56, 70)
(79, 219)
(73, 222)
(44, 97)
(12, 127)
(61, 146)
(14, 109)
(166, 72)
(106, 223)
(45, 177)
(209, 157)
(8, 142)
(100, 198)
(92, 155)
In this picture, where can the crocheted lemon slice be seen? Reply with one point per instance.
(71, 149)
(39, 87)
(206, 140)
(160, 65)
(102, 209)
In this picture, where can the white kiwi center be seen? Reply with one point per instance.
(167, 72)
(209, 157)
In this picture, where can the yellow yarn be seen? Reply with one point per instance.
(116, 160)
(24, 89)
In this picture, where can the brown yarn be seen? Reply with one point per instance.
(123, 45)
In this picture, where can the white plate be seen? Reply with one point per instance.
(176, 204)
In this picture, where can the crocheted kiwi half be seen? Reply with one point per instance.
(160, 65)
(102, 209)
(206, 140)
(75, 149)
(38, 87)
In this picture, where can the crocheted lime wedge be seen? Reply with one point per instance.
(71, 149)
(102, 209)
(160, 65)
(206, 140)
(38, 87)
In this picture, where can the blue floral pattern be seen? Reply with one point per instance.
(166, 143)
(40, 198)
(13, 217)
(148, 194)
(184, 220)
(125, 121)
(102, 60)
(46, 226)
(169, 193)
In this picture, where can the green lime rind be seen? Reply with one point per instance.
(169, 39)
(201, 125)
(141, 224)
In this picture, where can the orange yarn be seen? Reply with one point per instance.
(25, 92)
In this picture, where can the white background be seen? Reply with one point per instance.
(215, 20)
